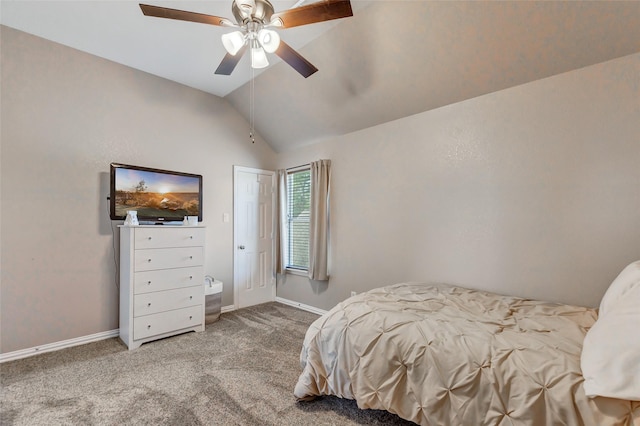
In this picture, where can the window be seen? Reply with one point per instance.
(297, 221)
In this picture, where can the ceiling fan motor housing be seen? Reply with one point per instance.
(252, 10)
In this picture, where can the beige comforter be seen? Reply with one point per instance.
(443, 355)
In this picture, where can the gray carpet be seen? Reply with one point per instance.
(240, 371)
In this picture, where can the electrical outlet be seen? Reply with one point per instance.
(353, 293)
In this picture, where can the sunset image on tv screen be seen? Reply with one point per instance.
(156, 195)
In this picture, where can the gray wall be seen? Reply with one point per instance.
(65, 116)
(531, 191)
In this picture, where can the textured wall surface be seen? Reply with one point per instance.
(531, 191)
(65, 116)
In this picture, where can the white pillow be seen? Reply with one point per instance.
(623, 283)
(610, 357)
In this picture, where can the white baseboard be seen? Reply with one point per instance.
(227, 308)
(50, 347)
(302, 306)
(56, 346)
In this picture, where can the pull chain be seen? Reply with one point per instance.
(252, 90)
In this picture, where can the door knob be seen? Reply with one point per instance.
(241, 247)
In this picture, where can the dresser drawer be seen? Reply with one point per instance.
(168, 258)
(175, 236)
(152, 303)
(165, 322)
(167, 279)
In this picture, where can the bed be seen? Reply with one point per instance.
(437, 354)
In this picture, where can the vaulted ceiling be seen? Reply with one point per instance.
(390, 60)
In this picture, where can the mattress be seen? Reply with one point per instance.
(437, 354)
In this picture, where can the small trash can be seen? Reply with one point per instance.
(212, 299)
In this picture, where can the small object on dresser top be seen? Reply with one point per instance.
(131, 219)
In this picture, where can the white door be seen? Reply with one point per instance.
(254, 200)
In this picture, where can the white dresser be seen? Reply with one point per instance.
(161, 282)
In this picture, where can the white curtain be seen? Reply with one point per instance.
(281, 226)
(319, 220)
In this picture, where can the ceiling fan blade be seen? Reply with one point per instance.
(183, 15)
(321, 11)
(230, 61)
(296, 60)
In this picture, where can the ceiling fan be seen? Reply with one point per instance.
(254, 20)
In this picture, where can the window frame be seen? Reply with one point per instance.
(292, 269)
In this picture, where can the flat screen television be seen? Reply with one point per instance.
(157, 195)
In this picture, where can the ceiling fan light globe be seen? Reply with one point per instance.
(258, 58)
(269, 39)
(232, 42)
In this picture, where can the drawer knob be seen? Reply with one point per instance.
(190, 277)
(191, 236)
(190, 297)
(190, 317)
(148, 282)
(190, 257)
(148, 304)
(149, 260)
(149, 237)
(148, 327)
